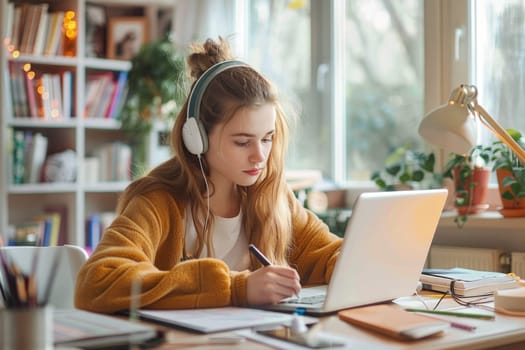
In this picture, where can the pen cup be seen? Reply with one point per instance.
(28, 328)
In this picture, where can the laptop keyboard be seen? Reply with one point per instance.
(309, 300)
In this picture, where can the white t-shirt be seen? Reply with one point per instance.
(229, 241)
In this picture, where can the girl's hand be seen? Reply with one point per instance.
(271, 284)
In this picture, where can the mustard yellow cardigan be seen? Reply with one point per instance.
(146, 243)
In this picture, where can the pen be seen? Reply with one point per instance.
(454, 313)
(262, 259)
(260, 256)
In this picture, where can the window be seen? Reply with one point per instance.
(362, 73)
(384, 81)
(498, 65)
(280, 43)
(353, 72)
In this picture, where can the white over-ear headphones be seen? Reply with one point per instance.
(193, 132)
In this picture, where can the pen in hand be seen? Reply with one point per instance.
(262, 259)
(260, 256)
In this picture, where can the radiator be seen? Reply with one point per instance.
(466, 257)
(518, 263)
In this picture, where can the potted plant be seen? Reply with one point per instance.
(155, 91)
(408, 169)
(510, 173)
(471, 178)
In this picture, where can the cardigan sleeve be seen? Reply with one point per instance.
(145, 243)
(315, 248)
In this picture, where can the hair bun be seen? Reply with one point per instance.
(205, 55)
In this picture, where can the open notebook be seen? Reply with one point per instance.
(385, 246)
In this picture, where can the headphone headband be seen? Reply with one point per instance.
(202, 83)
(193, 132)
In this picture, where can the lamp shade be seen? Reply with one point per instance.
(451, 127)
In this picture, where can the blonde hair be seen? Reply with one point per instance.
(266, 211)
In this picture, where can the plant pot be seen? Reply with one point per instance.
(473, 189)
(510, 207)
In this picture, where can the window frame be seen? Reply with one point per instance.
(447, 53)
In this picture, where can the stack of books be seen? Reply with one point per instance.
(467, 282)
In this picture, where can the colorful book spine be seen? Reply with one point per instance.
(18, 157)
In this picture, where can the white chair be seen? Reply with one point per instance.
(70, 259)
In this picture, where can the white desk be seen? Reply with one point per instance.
(504, 332)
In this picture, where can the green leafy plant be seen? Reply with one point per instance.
(156, 89)
(462, 169)
(407, 169)
(513, 185)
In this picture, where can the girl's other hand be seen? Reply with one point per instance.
(271, 284)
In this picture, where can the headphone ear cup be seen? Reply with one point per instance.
(194, 136)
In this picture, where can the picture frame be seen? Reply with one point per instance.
(125, 36)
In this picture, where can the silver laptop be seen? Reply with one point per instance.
(385, 246)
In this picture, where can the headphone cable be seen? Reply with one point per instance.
(207, 192)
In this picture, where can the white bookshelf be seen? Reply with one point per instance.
(20, 202)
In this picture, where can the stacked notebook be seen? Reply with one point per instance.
(467, 282)
(87, 330)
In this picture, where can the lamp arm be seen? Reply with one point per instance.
(500, 133)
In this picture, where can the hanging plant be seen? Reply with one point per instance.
(156, 89)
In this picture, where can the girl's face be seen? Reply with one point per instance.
(238, 149)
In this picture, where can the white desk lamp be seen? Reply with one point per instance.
(453, 126)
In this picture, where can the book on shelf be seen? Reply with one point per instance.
(56, 97)
(18, 90)
(29, 26)
(19, 23)
(51, 227)
(105, 99)
(118, 93)
(466, 282)
(47, 96)
(54, 36)
(96, 225)
(114, 161)
(67, 94)
(18, 157)
(95, 89)
(59, 212)
(25, 27)
(45, 229)
(41, 35)
(93, 231)
(31, 96)
(36, 157)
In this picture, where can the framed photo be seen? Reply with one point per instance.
(125, 36)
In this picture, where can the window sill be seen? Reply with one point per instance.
(485, 230)
(490, 219)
